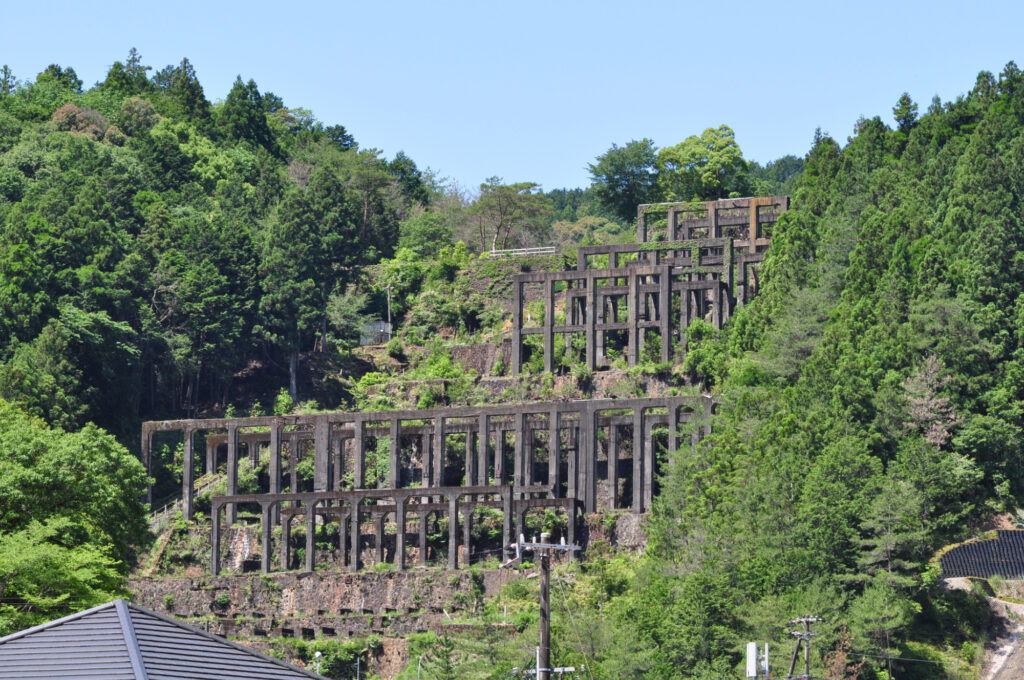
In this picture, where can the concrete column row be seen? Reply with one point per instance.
(349, 520)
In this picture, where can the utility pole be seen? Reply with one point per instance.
(544, 549)
(802, 637)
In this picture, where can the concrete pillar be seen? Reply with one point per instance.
(265, 524)
(423, 536)
(232, 475)
(673, 429)
(379, 520)
(499, 456)
(714, 231)
(211, 456)
(588, 457)
(590, 318)
(483, 449)
(215, 539)
(665, 312)
(310, 535)
(469, 468)
(395, 459)
(530, 455)
(519, 460)
(338, 467)
(570, 316)
(437, 476)
(648, 449)
(613, 464)
(286, 539)
(188, 488)
(321, 453)
(274, 471)
(572, 458)
(453, 531)
(294, 458)
(571, 526)
(506, 521)
(354, 536)
(342, 537)
(633, 307)
(716, 312)
(400, 535)
(359, 454)
(467, 530)
(638, 459)
(554, 452)
(684, 312)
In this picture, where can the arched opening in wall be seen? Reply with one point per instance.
(347, 457)
(569, 432)
(414, 440)
(611, 469)
(432, 533)
(385, 532)
(734, 222)
(291, 517)
(656, 223)
(542, 450)
(459, 451)
(166, 450)
(486, 530)
(377, 461)
(297, 458)
(630, 450)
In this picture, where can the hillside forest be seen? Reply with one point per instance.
(163, 255)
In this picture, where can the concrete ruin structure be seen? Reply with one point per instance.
(570, 456)
(692, 260)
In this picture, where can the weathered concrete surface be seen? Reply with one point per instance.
(330, 603)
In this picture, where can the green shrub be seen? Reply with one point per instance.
(394, 348)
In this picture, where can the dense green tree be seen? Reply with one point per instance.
(624, 177)
(43, 576)
(85, 476)
(409, 179)
(710, 166)
(425, 234)
(508, 215)
(129, 78)
(65, 77)
(183, 94)
(309, 249)
(244, 117)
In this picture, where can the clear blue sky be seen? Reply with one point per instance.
(534, 91)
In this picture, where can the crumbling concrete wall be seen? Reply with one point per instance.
(331, 603)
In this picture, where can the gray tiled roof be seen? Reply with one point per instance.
(122, 641)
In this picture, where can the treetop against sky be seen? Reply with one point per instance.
(534, 91)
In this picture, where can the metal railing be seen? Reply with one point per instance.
(523, 252)
(172, 503)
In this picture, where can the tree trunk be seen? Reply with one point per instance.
(293, 369)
